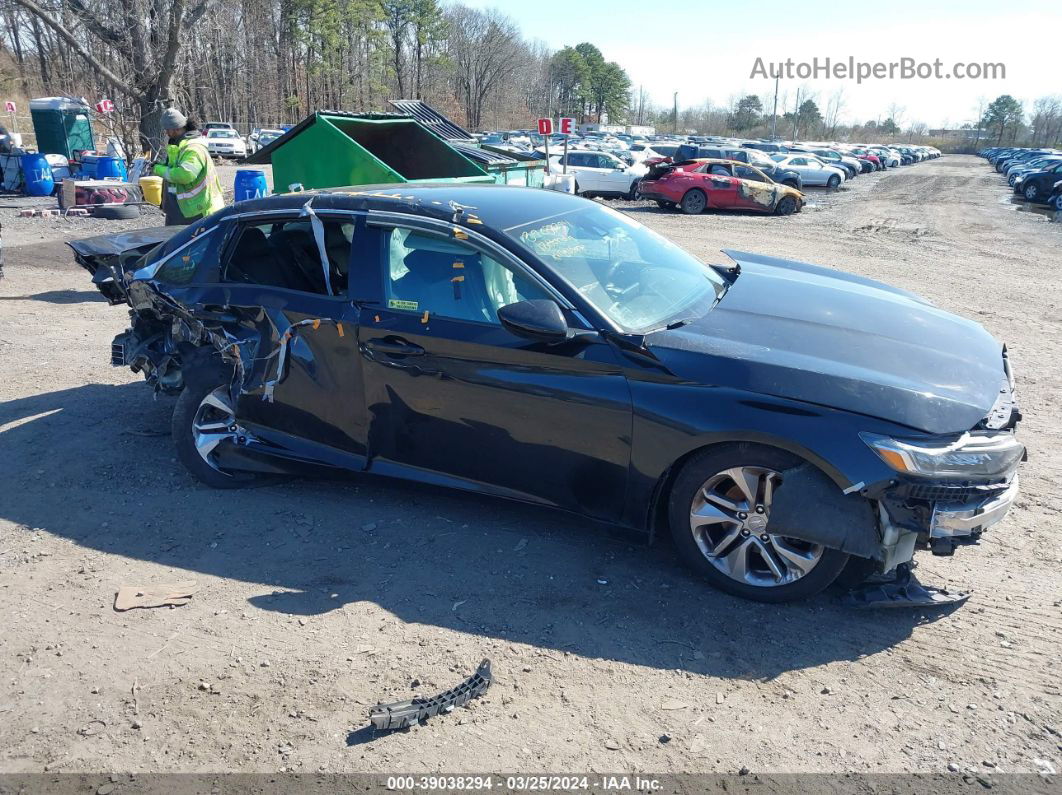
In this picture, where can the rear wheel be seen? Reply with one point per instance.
(694, 202)
(204, 421)
(719, 511)
(833, 182)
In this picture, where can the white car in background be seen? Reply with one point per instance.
(222, 142)
(262, 138)
(812, 170)
(600, 173)
(643, 151)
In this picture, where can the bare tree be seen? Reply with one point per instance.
(144, 38)
(484, 46)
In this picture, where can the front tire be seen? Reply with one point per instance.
(787, 206)
(833, 182)
(694, 202)
(202, 420)
(1031, 192)
(719, 515)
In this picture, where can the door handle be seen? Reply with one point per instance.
(394, 348)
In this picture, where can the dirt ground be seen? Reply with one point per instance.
(317, 599)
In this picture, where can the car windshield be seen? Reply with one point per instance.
(635, 277)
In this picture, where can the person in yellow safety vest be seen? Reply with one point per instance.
(193, 190)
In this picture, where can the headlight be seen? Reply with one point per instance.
(970, 455)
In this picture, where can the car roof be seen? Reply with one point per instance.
(498, 207)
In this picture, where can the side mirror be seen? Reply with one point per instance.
(538, 319)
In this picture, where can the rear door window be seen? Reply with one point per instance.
(286, 253)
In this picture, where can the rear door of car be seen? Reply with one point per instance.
(305, 381)
(453, 397)
(580, 164)
(720, 185)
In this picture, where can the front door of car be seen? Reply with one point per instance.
(304, 380)
(613, 176)
(454, 397)
(808, 172)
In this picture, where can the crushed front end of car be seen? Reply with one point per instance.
(950, 489)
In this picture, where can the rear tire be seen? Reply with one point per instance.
(725, 551)
(694, 202)
(117, 212)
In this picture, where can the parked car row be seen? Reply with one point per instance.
(224, 140)
(724, 173)
(768, 177)
(1034, 174)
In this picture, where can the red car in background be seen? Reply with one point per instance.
(696, 185)
(868, 156)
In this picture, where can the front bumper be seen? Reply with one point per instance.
(958, 521)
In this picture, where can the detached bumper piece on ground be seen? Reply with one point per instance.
(402, 714)
(901, 589)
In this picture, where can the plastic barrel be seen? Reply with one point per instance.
(110, 168)
(152, 190)
(250, 184)
(38, 175)
(88, 166)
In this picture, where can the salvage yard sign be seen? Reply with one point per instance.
(545, 129)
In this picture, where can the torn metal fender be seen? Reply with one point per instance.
(105, 256)
(810, 506)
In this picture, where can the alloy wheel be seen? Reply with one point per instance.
(730, 522)
(214, 423)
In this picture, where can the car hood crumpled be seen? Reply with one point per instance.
(808, 333)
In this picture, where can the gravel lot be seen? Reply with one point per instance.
(319, 598)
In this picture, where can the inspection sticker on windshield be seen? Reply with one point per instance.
(394, 303)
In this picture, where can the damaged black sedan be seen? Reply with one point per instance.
(781, 420)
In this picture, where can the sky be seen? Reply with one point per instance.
(707, 50)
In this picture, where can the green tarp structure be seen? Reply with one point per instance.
(331, 149)
(62, 126)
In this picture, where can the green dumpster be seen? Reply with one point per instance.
(515, 168)
(62, 126)
(331, 149)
